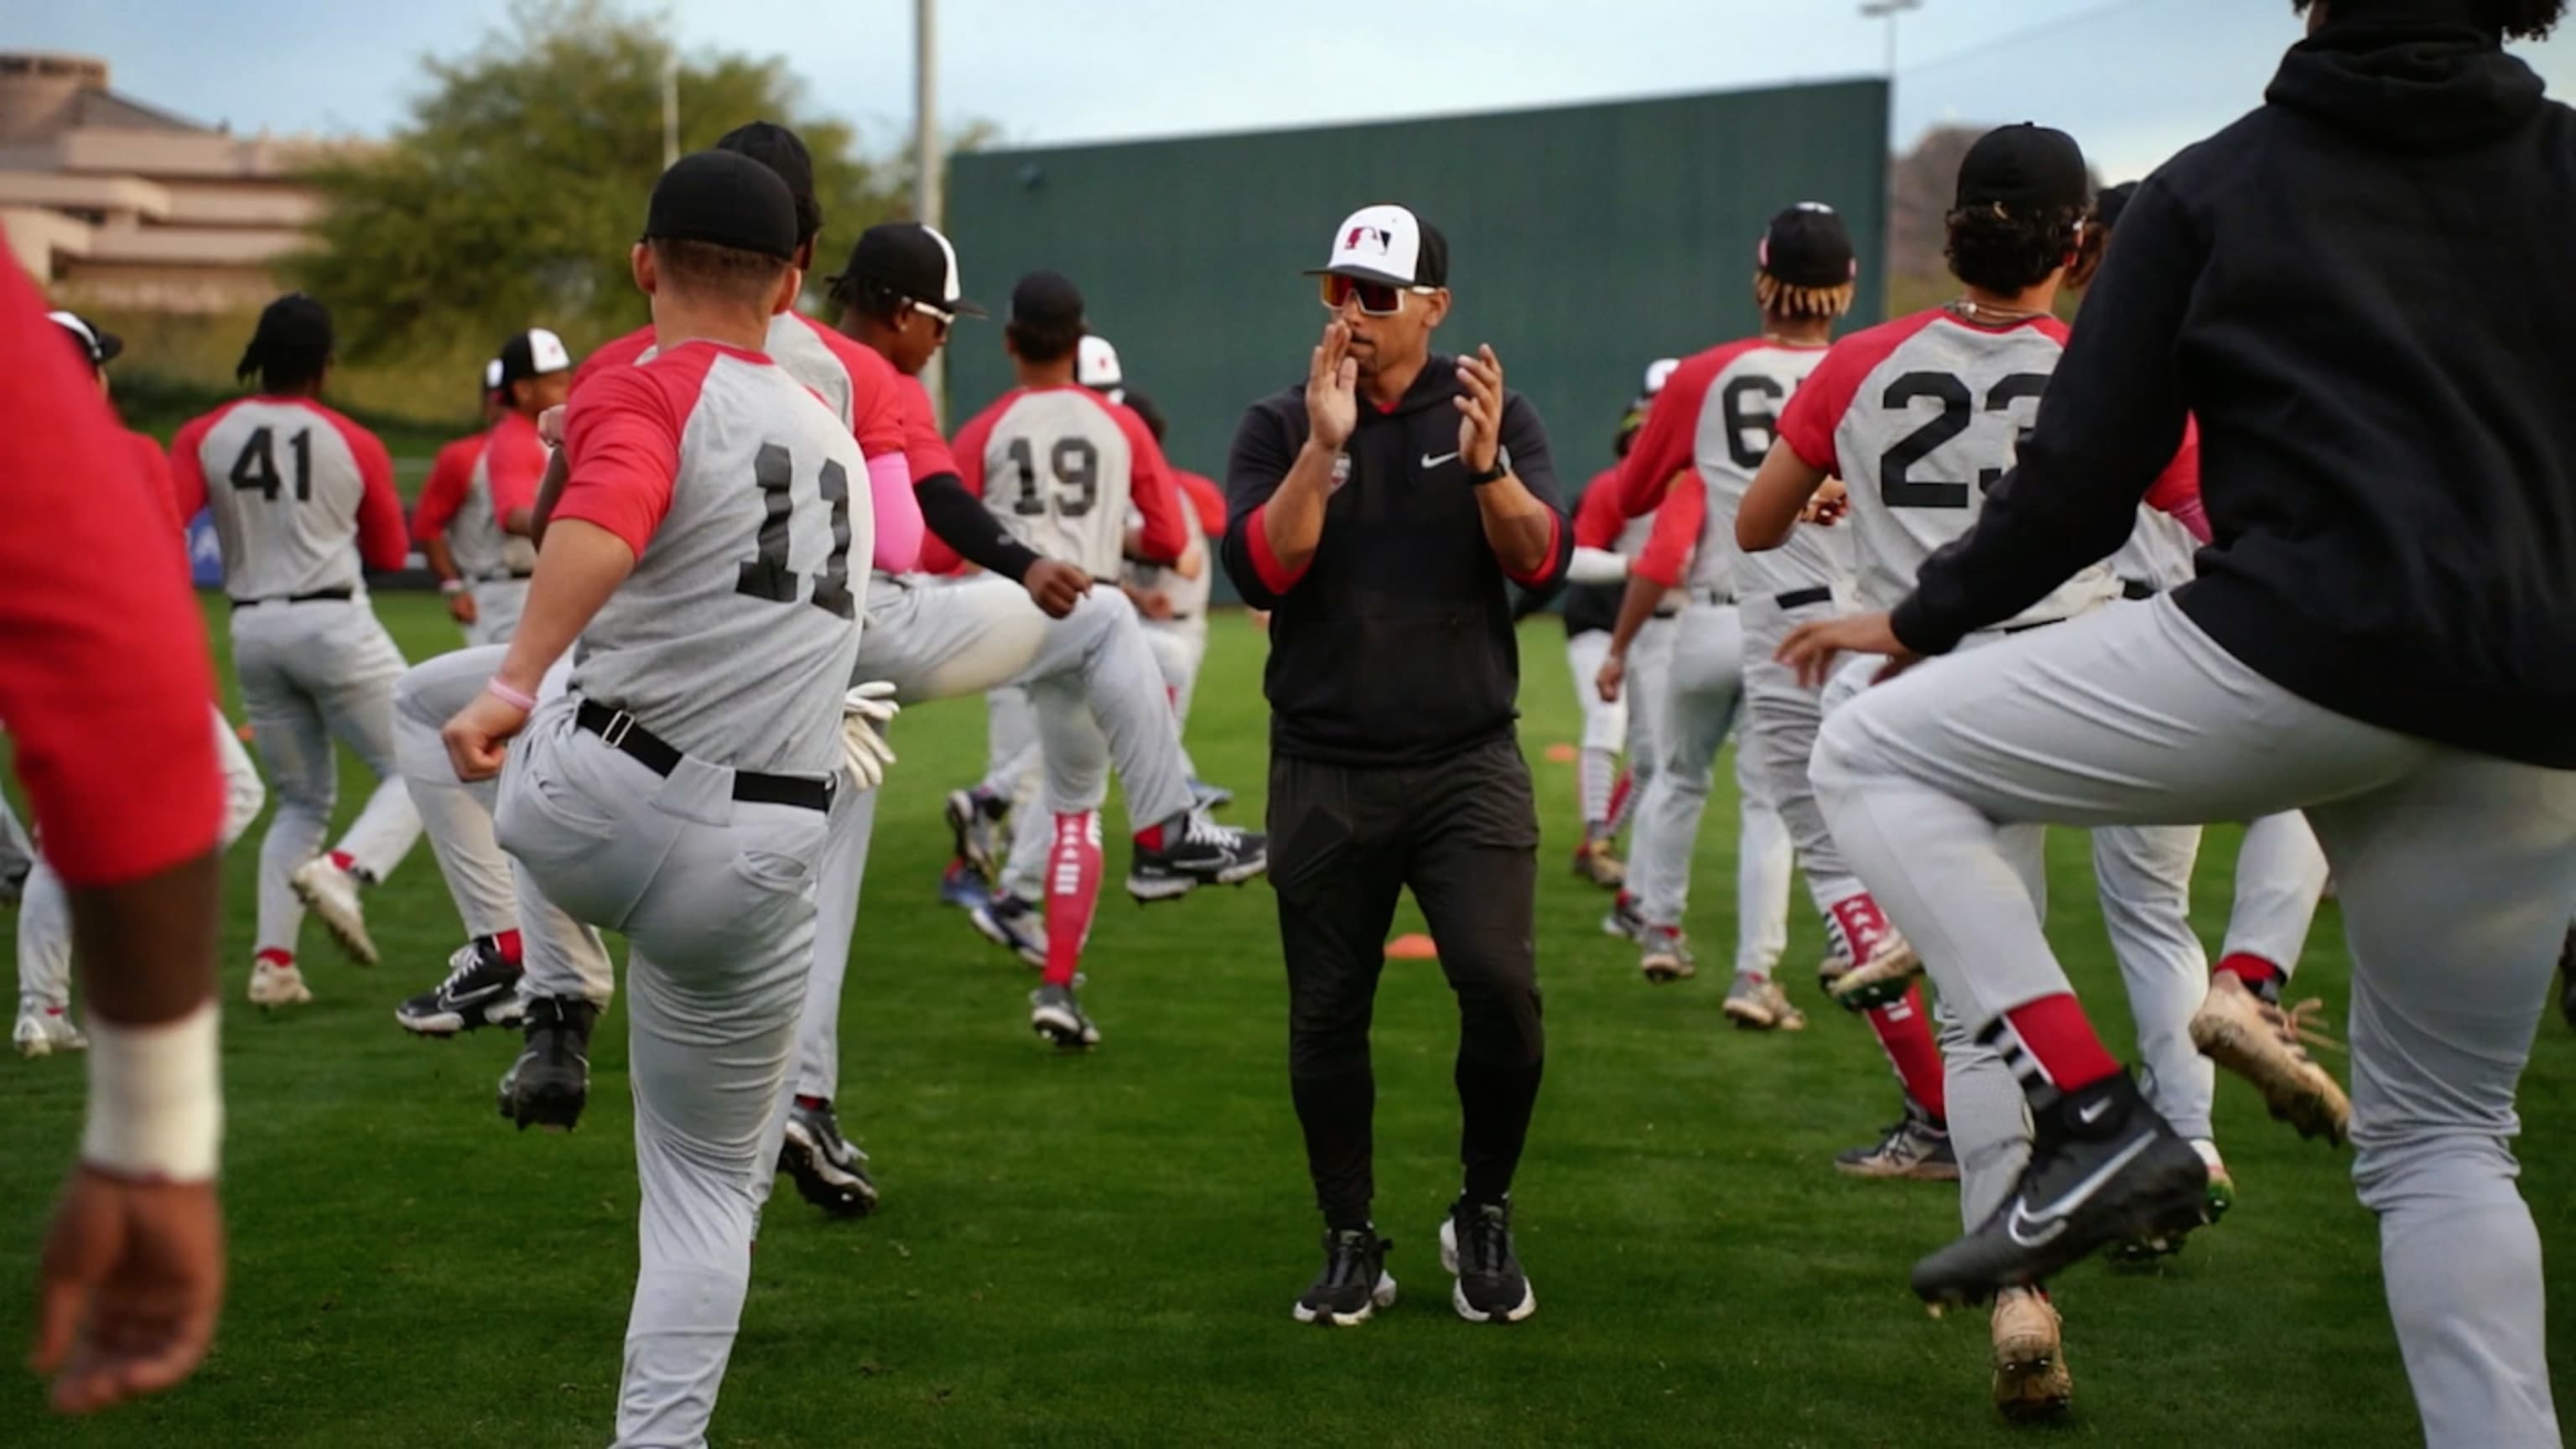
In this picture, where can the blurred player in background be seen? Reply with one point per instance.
(302, 499)
(103, 690)
(45, 928)
(1173, 600)
(473, 522)
(451, 471)
(1604, 543)
(678, 792)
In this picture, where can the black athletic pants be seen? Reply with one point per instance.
(1344, 841)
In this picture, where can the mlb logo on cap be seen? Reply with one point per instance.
(1388, 244)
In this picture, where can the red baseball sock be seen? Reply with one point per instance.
(812, 1103)
(2251, 969)
(1906, 1037)
(1072, 892)
(271, 956)
(2056, 1039)
(1620, 789)
(345, 861)
(507, 943)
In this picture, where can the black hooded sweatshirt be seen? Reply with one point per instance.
(2361, 291)
(1394, 645)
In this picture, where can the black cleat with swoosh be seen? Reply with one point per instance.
(2103, 1168)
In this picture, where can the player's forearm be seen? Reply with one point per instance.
(1778, 494)
(520, 522)
(549, 492)
(1293, 520)
(442, 559)
(146, 947)
(579, 566)
(1636, 606)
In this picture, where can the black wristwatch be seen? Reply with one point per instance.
(1502, 469)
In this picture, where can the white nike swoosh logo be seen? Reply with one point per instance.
(2090, 1115)
(1431, 462)
(2054, 1219)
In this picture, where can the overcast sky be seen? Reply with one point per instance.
(2133, 79)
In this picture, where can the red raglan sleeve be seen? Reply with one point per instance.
(2176, 491)
(1665, 444)
(155, 466)
(622, 448)
(382, 542)
(1166, 532)
(105, 683)
(187, 466)
(515, 461)
(1666, 558)
(968, 449)
(1207, 498)
(1597, 520)
(450, 473)
(1815, 411)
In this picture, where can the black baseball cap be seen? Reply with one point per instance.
(533, 353)
(2113, 200)
(2024, 168)
(1808, 246)
(782, 151)
(726, 199)
(912, 261)
(1046, 299)
(98, 346)
(1389, 244)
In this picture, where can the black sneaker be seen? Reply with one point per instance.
(974, 820)
(549, 1083)
(1196, 851)
(1055, 1015)
(1354, 1283)
(1914, 1148)
(481, 989)
(830, 1173)
(2103, 1168)
(1476, 1247)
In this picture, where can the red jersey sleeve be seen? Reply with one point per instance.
(968, 446)
(622, 444)
(1815, 411)
(1166, 534)
(188, 465)
(620, 353)
(1666, 558)
(2176, 491)
(155, 467)
(921, 441)
(1671, 434)
(450, 474)
(105, 682)
(515, 462)
(1597, 520)
(382, 543)
(1207, 498)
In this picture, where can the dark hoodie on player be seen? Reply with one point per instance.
(2360, 291)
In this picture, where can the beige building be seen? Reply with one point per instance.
(111, 201)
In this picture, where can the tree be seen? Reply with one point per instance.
(512, 197)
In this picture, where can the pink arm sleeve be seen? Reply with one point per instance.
(898, 512)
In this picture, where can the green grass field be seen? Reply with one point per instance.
(1101, 1250)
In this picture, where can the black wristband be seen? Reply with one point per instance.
(1501, 470)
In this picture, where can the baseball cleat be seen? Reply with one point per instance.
(332, 893)
(1665, 955)
(829, 1172)
(1886, 964)
(2103, 1167)
(1354, 1283)
(2220, 1196)
(550, 1082)
(1015, 925)
(1055, 1015)
(963, 886)
(1756, 1003)
(275, 984)
(974, 820)
(1210, 797)
(1595, 860)
(1205, 853)
(481, 989)
(1476, 1249)
(45, 1027)
(1623, 921)
(2031, 1381)
(2263, 1044)
(1914, 1148)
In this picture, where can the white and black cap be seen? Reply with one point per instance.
(1096, 366)
(98, 346)
(533, 353)
(1659, 372)
(1388, 243)
(492, 375)
(912, 261)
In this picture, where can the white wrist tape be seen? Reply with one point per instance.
(156, 1103)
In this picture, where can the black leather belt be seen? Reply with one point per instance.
(505, 576)
(1801, 598)
(2138, 589)
(340, 596)
(618, 729)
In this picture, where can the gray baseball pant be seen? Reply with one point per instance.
(2459, 875)
(716, 899)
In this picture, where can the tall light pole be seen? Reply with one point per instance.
(670, 108)
(1888, 10)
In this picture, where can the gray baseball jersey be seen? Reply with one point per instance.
(1059, 467)
(294, 487)
(733, 639)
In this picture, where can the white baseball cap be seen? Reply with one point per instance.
(1388, 243)
(1095, 366)
(1659, 372)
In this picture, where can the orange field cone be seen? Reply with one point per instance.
(1560, 753)
(1412, 946)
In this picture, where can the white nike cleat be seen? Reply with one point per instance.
(273, 985)
(45, 1028)
(332, 893)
